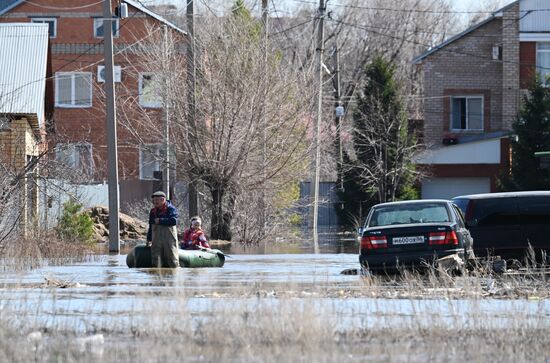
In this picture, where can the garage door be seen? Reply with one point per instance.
(447, 188)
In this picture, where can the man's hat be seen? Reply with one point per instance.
(159, 194)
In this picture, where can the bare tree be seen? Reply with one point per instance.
(250, 129)
(396, 30)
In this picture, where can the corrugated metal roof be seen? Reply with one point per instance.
(23, 63)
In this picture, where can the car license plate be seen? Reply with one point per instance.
(407, 240)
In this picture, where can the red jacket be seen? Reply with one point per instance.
(193, 239)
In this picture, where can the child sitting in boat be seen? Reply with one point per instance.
(187, 242)
(194, 237)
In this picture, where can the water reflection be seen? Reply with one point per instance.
(344, 246)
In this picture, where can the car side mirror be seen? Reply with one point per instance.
(360, 231)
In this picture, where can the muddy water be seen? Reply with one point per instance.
(106, 286)
(299, 292)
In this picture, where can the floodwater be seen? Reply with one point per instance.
(104, 294)
(106, 284)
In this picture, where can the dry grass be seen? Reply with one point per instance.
(433, 316)
(429, 317)
(42, 248)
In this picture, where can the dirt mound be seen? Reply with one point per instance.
(130, 228)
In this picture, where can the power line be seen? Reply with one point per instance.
(412, 10)
(92, 47)
(291, 28)
(428, 46)
(63, 7)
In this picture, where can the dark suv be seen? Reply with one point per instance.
(504, 224)
(413, 233)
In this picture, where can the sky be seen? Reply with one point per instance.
(290, 5)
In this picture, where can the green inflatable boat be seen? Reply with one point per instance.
(140, 257)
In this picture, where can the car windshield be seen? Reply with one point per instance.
(409, 213)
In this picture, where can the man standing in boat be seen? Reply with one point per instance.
(162, 235)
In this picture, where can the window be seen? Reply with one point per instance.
(409, 213)
(73, 89)
(535, 210)
(76, 156)
(52, 25)
(543, 62)
(462, 204)
(149, 95)
(459, 216)
(149, 160)
(496, 212)
(98, 27)
(467, 113)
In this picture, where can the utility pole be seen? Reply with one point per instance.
(264, 120)
(315, 184)
(193, 195)
(166, 169)
(339, 113)
(112, 155)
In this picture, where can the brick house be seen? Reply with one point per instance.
(473, 84)
(78, 131)
(25, 103)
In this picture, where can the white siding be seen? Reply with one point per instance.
(538, 20)
(480, 152)
(89, 195)
(447, 188)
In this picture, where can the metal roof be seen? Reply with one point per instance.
(534, 193)
(494, 15)
(23, 64)
(140, 7)
(7, 5)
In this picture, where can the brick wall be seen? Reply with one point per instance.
(510, 66)
(76, 49)
(18, 144)
(465, 64)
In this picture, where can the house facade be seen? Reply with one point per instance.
(25, 104)
(473, 84)
(78, 131)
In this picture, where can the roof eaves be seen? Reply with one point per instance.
(9, 7)
(154, 15)
(485, 137)
(494, 15)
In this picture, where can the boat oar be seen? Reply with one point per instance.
(204, 249)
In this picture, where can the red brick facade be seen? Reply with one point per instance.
(491, 171)
(75, 49)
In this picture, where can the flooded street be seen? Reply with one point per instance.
(255, 302)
